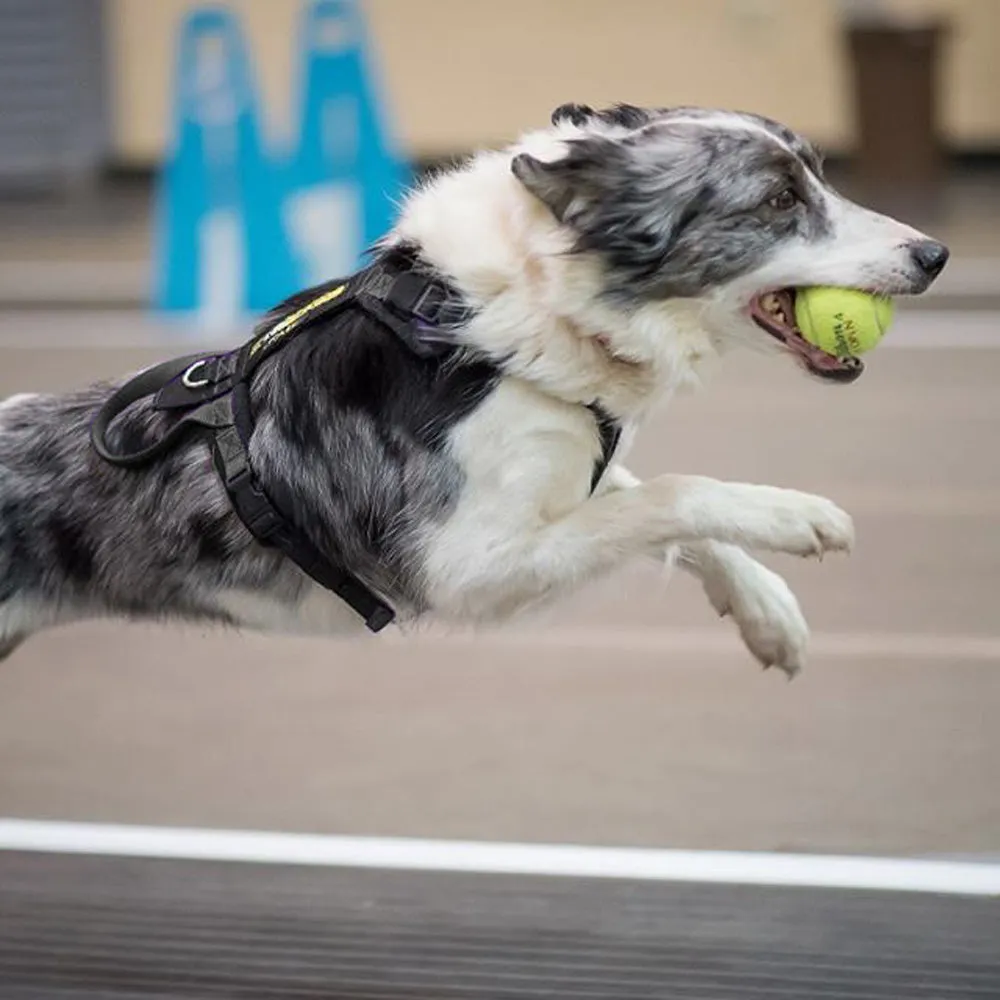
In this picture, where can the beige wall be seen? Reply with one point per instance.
(463, 72)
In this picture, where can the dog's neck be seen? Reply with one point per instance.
(539, 308)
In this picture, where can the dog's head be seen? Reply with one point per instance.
(726, 208)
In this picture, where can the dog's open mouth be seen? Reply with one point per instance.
(775, 313)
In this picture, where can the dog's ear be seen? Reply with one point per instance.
(575, 114)
(548, 182)
(628, 116)
(585, 172)
(631, 204)
(589, 170)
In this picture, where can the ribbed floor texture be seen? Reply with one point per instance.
(118, 929)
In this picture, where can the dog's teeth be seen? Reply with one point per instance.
(772, 304)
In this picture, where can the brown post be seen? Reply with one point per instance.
(900, 160)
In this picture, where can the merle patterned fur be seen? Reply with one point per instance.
(674, 209)
(349, 429)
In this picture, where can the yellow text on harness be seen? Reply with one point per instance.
(288, 325)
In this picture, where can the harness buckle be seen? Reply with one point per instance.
(437, 306)
(428, 305)
(254, 508)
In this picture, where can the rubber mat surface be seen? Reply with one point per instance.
(81, 927)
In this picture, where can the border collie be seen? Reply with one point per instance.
(605, 261)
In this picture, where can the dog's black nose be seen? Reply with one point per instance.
(930, 256)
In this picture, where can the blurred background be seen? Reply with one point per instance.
(628, 715)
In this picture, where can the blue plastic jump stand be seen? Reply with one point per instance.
(221, 249)
(345, 178)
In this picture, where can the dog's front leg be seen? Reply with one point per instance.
(763, 606)
(487, 567)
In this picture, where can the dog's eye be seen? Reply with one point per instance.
(785, 201)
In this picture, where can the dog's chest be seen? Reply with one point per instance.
(524, 457)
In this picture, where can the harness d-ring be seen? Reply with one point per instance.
(193, 383)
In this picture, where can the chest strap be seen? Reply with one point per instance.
(610, 433)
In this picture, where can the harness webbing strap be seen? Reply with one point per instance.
(211, 392)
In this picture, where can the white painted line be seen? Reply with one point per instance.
(721, 641)
(565, 861)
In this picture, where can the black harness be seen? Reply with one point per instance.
(211, 392)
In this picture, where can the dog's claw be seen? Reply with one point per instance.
(790, 671)
(808, 525)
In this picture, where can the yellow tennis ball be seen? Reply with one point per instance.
(841, 321)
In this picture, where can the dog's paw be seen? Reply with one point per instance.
(800, 524)
(764, 609)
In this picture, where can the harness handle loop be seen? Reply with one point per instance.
(145, 384)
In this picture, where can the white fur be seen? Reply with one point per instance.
(760, 602)
(526, 527)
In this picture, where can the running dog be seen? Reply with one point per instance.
(600, 264)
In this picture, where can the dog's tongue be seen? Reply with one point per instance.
(816, 356)
(828, 365)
